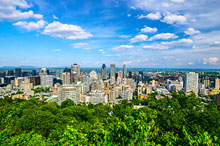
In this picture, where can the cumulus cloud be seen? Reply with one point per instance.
(152, 16)
(11, 10)
(67, 31)
(197, 13)
(211, 60)
(148, 29)
(191, 31)
(139, 38)
(31, 25)
(174, 18)
(80, 45)
(122, 48)
(163, 36)
(155, 47)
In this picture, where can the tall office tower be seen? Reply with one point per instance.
(153, 83)
(43, 72)
(112, 72)
(46, 81)
(191, 82)
(124, 71)
(75, 70)
(34, 73)
(66, 76)
(18, 72)
(206, 82)
(217, 83)
(120, 74)
(10, 73)
(141, 76)
(104, 71)
(130, 74)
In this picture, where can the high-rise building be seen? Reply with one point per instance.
(10, 73)
(112, 71)
(46, 81)
(66, 76)
(18, 72)
(217, 83)
(124, 71)
(43, 72)
(206, 82)
(130, 74)
(104, 71)
(34, 73)
(120, 74)
(191, 82)
(75, 71)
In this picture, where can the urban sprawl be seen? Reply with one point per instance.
(106, 87)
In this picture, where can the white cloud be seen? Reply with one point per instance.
(191, 31)
(190, 63)
(31, 25)
(129, 15)
(178, 1)
(152, 16)
(211, 60)
(67, 31)
(55, 17)
(80, 45)
(155, 47)
(174, 18)
(57, 50)
(10, 10)
(112, 55)
(125, 36)
(163, 36)
(122, 48)
(198, 13)
(139, 38)
(178, 42)
(148, 29)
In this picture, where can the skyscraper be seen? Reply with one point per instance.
(75, 70)
(191, 82)
(34, 73)
(66, 76)
(217, 83)
(124, 71)
(104, 71)
(120, 74)
(46, 81)
(112, 72)
(130, 74)
(18, 72)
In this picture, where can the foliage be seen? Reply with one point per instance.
(180, 120)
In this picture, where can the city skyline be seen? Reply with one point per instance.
(138, 33)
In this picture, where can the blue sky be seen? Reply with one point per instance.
(139, 33)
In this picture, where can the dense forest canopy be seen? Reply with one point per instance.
(180, 120)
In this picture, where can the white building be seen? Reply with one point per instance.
(72, 92)
(126, 94)
(96, 98)
(46, 81)
(191, 82)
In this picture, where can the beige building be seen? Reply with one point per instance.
(66, 78)
(217, 81)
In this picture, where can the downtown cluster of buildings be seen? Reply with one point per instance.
(103, 86)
